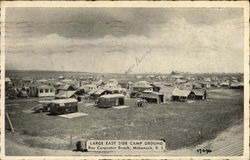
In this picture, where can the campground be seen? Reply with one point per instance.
(181, 124)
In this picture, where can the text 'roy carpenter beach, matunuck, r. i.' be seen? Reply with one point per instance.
(125, 145)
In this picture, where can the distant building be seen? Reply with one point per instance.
(205, 84)
(89, 87)
(225, 84)
(183, 95)
(41, 80)
(8, 82)
(65, 87)
(237, 85)
(167, 91)
(94, 94)
(113, 81)
(190, 86)
(27, 80)
(142, 86)
(125, 84)
(60, 77)
(207, 79)
(200, 94)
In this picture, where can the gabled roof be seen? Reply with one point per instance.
(158, 84)
(181, 93)
(7, 79)
(89, 85)
(199, 92)
(238, 84)
(152, 92)
(93, 91)
(64, 87)
(36, 84)
(27, 79)
(112, 96)
(41, 80)
(65, 94)
(67, 80)
(224, 83)
(167, 89)
(142, 84)
(100, 91)
(181, 81)
(44, 86)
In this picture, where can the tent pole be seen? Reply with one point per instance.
(11, 126)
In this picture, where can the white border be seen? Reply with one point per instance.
(158, 4)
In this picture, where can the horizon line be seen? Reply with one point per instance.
(125, 73)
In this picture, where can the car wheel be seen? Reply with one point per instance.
(67, 110)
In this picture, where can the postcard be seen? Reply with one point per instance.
(134, 80)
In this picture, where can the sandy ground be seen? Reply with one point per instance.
(229, 142)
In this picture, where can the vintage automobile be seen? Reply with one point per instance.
(23, 94)
(42, 107)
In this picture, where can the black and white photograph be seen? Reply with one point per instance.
(125, 80)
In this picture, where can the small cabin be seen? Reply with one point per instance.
(41, 90)
(153, 97)
(110, 100)
(63, 106)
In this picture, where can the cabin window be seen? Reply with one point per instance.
(46, 90)
(41, 90)
(51, 90)
(61, 104)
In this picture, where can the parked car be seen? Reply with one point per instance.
(23, 94)
(44, 107)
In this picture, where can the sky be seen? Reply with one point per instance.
(119, 40)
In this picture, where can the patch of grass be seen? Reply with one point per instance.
(180, 124)
(30, 133)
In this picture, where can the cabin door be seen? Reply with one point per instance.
(117, 101)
